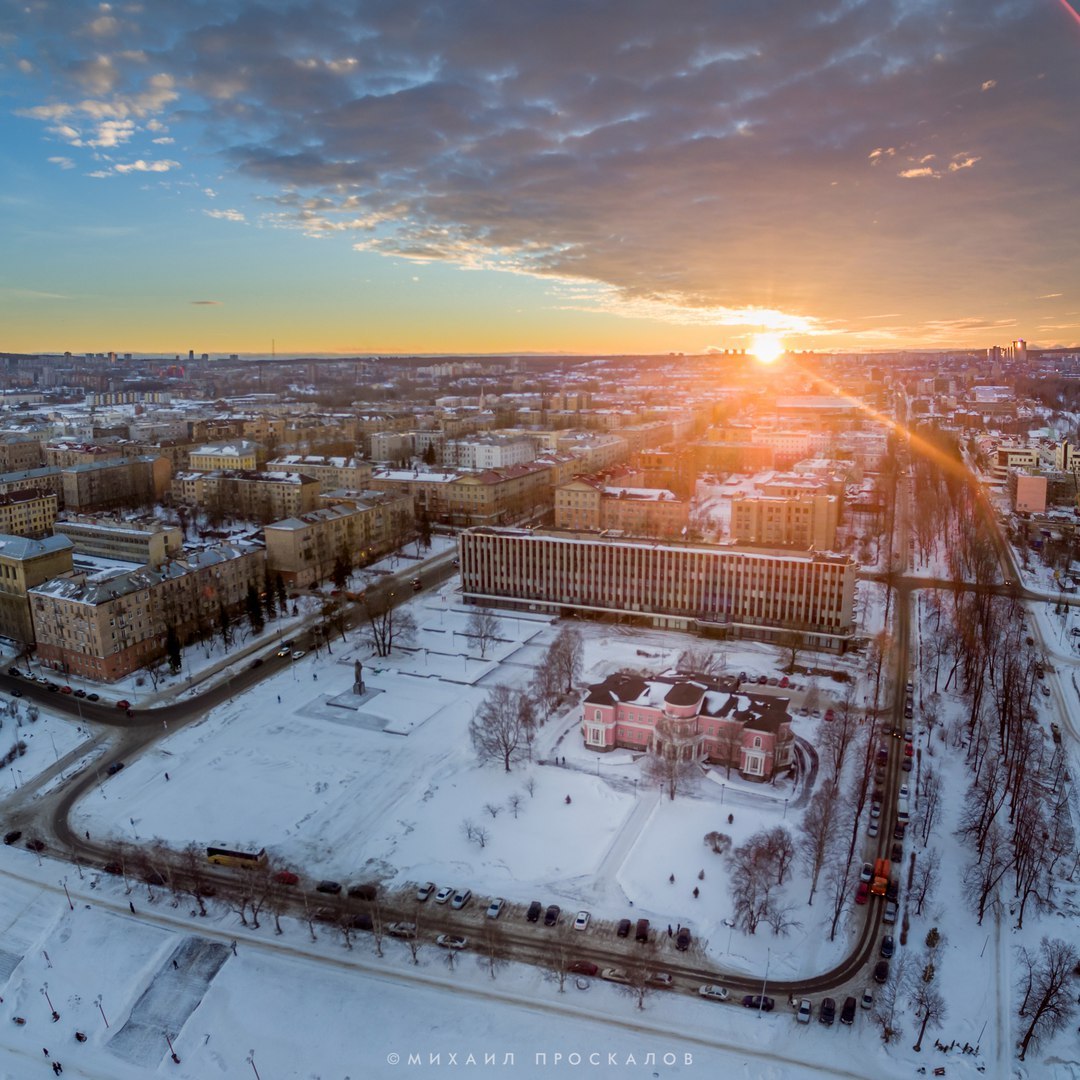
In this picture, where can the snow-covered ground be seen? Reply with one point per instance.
(377, 787)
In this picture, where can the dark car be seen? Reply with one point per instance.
(534, 911)
(257, 662)
(757, 1001)
(892, 890)
(583, 967)
(881, 971)
(624, 928)
(361, 922)
(13, 836)
(641, 931)
(333, 887)
(123, 703)
(80, 692)
(551, 916)
(93, 697)
(113, 868)
(34, 844)
(827, 1013)
(16, 692)
(847, 1016)
(682, 939)
(364, 892)
(897, 851)
(53, 688)
(888, 946)
(114, 768)
(14, 672)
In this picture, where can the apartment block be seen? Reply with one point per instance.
(145, 542)
(260, 496)
(25, 563)
(28, 513)
(233, 454)
(588, 503)
(489, 452)
(331, 472)
(47, 479)
(801, 521)
(106, 628)
(20, 452)
(754, 593)
(117, 483)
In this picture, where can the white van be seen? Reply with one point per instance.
(902, 814)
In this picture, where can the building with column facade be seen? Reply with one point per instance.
(689, 717)
(802, 521)
(25, 563)
(746, 592)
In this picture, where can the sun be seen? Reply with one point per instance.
(767, 347)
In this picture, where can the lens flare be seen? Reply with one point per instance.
(767, 347)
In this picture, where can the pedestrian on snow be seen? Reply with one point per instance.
(669, 929)
(696, 893)
(132, 906)
(314, 677)
(87, 834)
(45, 1051)
(671, 880)
(279, 699)
(176, 966)
(57, 1068)
(233, 947)
(166, 776)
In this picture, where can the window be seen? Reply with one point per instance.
(757, 742)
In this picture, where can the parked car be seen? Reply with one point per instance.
(827, 1012)
(113, 868)
(284, 651)
(862, 893)
(16, 692)
(425, 891)
(93, 697)
(881, 971)
(78, 693)
(114, 768)
(363, 892)
(34, 844)
(888, 946)
(461, 898)
(332, 887)
(758, 1001)
(444, 894)
(584, 967)
(533, 914)
(123, 703)
(55, 687)
(713, 992)
(641, 931)
(867, 999)
(582, 921)
(682, 939)
(286, 877)
(660, 978)
(551, 916)
(892, 889)
(615, 975)
(623, 929)
(867, 872)
(872, 828)
(495, 907)
(906, 764)
(847, 1014)
(402, 929)
(297, 654)
(452, 941)
(830, 715)
(891, 909)
(13, 837)
(897, 851)
(361, 921)
(806, 1010)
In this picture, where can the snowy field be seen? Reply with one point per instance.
(378, 787)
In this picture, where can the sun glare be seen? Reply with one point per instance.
(767, 347)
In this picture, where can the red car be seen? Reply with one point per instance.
(583, 967)
(123, 703)
(862, 893)
(286, 877)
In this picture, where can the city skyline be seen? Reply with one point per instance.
(392, 178)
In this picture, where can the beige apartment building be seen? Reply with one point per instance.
(754, 593)
(145, 541)
(19, 452)
(591, 504)
(331, 472)
(108, 628)
(233, 454)
(25, 563)
(48, 479)
(801, 521)
(260, 496)
(28, 513)
(305, 549)
(65, 453)
(116, 483)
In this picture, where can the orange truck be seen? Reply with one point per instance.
(881, 877)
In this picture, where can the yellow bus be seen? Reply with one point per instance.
(246, 860)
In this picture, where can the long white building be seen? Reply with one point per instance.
(755, 593)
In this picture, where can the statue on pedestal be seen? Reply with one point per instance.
(358, 678)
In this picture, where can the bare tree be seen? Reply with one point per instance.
(719, 842)
(752, 878)
(884, 1011)
(925, 878)
(929, 802)
(1050, 1001)
(514, 803)
(565, 656)
(558, 956)
(546, 689)
(701, 660)
(793, 641)
(838, 874)
(387, 625)
(818, 833)
(493, 943)
(781, 850)
(670, 773)
(639, 973)
(929, 1008)
(728, 739)
(475, 834)
(483, 628)
(496, 728)
(492, 809)
(983, 877)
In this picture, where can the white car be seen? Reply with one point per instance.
(615, 975)
(867, 1001)
(582, 921)
(867, 873)
(495, 907)
(402, 929)
(903, 791)
(713, 992)
(662, 979)
(297, 653)
(425, 891)
(452, 941)
(806, 1010)
(444, 894)
(461, 898)
(872, 829)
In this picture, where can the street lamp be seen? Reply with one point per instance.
(765, 981)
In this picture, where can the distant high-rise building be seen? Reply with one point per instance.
(1019, 350)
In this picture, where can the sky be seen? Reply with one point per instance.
(567, 176)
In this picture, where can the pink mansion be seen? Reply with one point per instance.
(694, 717)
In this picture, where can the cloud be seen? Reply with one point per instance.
(63, 162)
(206, 303)
(989, 84)
(146, 166)
(1049, 296)
(226, 215)
(920, 173)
